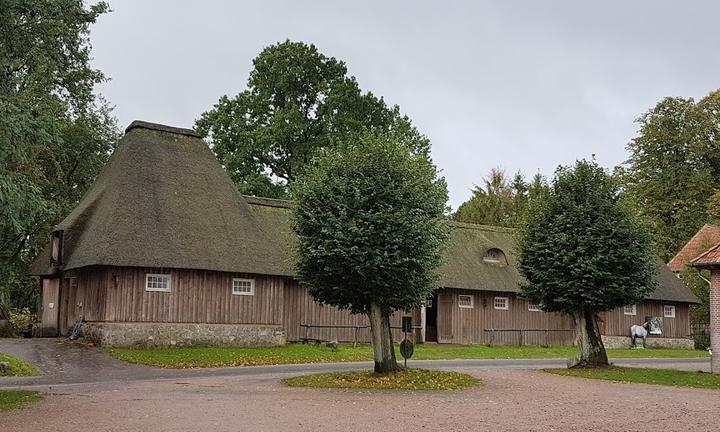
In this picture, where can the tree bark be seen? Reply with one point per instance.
(592, 350)
(383, 352)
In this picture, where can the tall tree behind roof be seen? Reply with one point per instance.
(674, 167)
(500, 202)
(297, 102)
(55, 133)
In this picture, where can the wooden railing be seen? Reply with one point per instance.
(306, 328)
(521, 333)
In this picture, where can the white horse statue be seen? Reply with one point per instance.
(639, 331)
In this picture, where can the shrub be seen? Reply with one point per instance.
(21, 320)
(702, 341)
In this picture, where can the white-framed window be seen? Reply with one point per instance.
(243, 286)
(669, 311)
(630, 310)
(465, 301)
(532, 307)
(158, 282)
(501, 303)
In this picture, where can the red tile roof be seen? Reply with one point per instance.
(710, 258)
(707, 237)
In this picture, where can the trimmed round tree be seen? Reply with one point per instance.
(370, 225)
(582, 251)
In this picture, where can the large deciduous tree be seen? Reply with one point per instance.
(55, 134)
(297, 102)
(582, 251)
(674, 167)
(370, 223)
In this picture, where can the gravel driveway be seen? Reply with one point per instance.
(86, 388)
(511, 399)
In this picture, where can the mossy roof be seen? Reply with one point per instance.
(463, 266)
(163, 200)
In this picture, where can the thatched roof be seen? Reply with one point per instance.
(463, 266)
(163, 200)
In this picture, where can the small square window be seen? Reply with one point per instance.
(465, 301)
(243, 287)
(630, 310)
(501, 303)
(158, 282)
(533, 307)
(669, 311)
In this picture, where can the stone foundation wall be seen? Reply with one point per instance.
(652, 342)
(183, 334)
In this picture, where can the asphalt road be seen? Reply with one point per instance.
(63, 363)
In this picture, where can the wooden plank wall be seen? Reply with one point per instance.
(118, 294)
(300, 308)
(466, 326)
(618, 324)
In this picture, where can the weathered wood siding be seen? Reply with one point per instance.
(618, 324)
(117, 294)
(300, 308)
(468, 325)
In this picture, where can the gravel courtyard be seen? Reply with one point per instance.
(511, 399)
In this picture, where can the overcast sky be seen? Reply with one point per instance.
(519, 85)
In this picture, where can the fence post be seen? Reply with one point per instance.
(355, 337)
(546, 338)
(521, 337)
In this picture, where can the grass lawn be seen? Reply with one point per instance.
(406, 379)
(11, 399)
(667, 377)
(17, 367)
(299, 353)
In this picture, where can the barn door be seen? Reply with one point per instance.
(445, 317)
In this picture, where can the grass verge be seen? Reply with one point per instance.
(405, 379)
(12, 399)
(299, 353)
(666, 377)
(17, 367)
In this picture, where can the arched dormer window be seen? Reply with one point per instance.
(495, 256)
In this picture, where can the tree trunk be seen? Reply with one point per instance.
(383, 351)
(592, 350)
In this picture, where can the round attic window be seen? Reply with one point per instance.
(495, 256)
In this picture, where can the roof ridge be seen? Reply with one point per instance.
(702, 255)
(269, 202)
(481, 227)
(141, 124)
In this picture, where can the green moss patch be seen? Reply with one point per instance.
(12, 399)
(405, 379)
(666, 377)
(17, 367)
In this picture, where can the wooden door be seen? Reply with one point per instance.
(50, 307)
(446, 306)
(68, 292)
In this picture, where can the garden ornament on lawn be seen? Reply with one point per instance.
(637, 331)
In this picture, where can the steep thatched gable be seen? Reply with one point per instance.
(163, 200)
